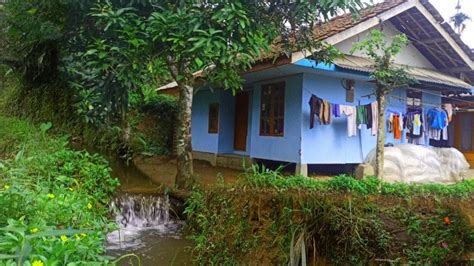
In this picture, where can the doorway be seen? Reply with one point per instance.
(464, 135)
(242, 100)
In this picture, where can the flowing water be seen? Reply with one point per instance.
(148, 225)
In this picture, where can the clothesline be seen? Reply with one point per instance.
(356, 115)
(401, 99)
(348, 104)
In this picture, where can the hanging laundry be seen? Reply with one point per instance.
(397, 133)
(449, 110)
(351, 113)
(368, 111)
(401, 124)
(437, 118)
(314, 106)
(437, 124)
(321, 109)
(361, 115)
(417, 125)
(413, 122)
(336, 111)
(375, 117)
(390, 123)
(327, 113)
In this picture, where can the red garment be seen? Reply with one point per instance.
(397, 133)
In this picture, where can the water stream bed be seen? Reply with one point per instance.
(148, 226)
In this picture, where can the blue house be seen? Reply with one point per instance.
(270, 118)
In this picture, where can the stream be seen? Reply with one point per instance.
(148, 225)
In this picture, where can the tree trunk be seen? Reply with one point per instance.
(184, 176)
(379, 155)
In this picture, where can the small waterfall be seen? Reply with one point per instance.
(141, 217)
(141, 211)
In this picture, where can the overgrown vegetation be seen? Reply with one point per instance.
(150, 121)
(62, 68)
(268, 218)
(53, 200)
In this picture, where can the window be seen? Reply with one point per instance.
(213, 118)
(414, 100)
(272, 109)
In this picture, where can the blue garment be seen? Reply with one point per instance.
(336, 110)
(437, 119)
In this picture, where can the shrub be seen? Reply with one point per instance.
(269, 218)
(53, 200)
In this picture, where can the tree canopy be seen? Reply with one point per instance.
(109, 49)
(387, 76)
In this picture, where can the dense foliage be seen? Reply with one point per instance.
(220, 39)
(44, 77)
(53, 201)
(108, 51)
(151, 120)
(271, 219)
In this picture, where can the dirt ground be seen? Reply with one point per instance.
(162, 170)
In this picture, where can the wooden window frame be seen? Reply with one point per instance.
(413, 94)
(213, 118)
(272, 103)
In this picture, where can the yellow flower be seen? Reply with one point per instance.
(37, 263)
(51, 196)
(6, 187)
(34, 230)
(83, 234)
(63, 238)
(78, 237)
(89, 206)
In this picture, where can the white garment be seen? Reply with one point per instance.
(434, 134)
(449, 110)
(400, 119)
(445, 133)
(350, 112)
(417, 125)
(375, 117)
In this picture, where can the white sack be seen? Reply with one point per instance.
(410, 163)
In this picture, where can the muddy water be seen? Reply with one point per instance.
(148, 226)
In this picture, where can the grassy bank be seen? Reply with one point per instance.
(268, 218)
(53, 200)
(148, 129)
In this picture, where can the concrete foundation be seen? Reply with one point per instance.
(232, 161)
(205, 156)
(364, 170)
(301, 169)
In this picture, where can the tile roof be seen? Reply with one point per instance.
(347, 21)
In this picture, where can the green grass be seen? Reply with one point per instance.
(269, 218)
(261, 177)
(53, 200)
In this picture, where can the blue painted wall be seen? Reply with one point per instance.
(201, 140)
(223, 141)
(324, 144)
(226, 122)
(286, 148)
(329, 144)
